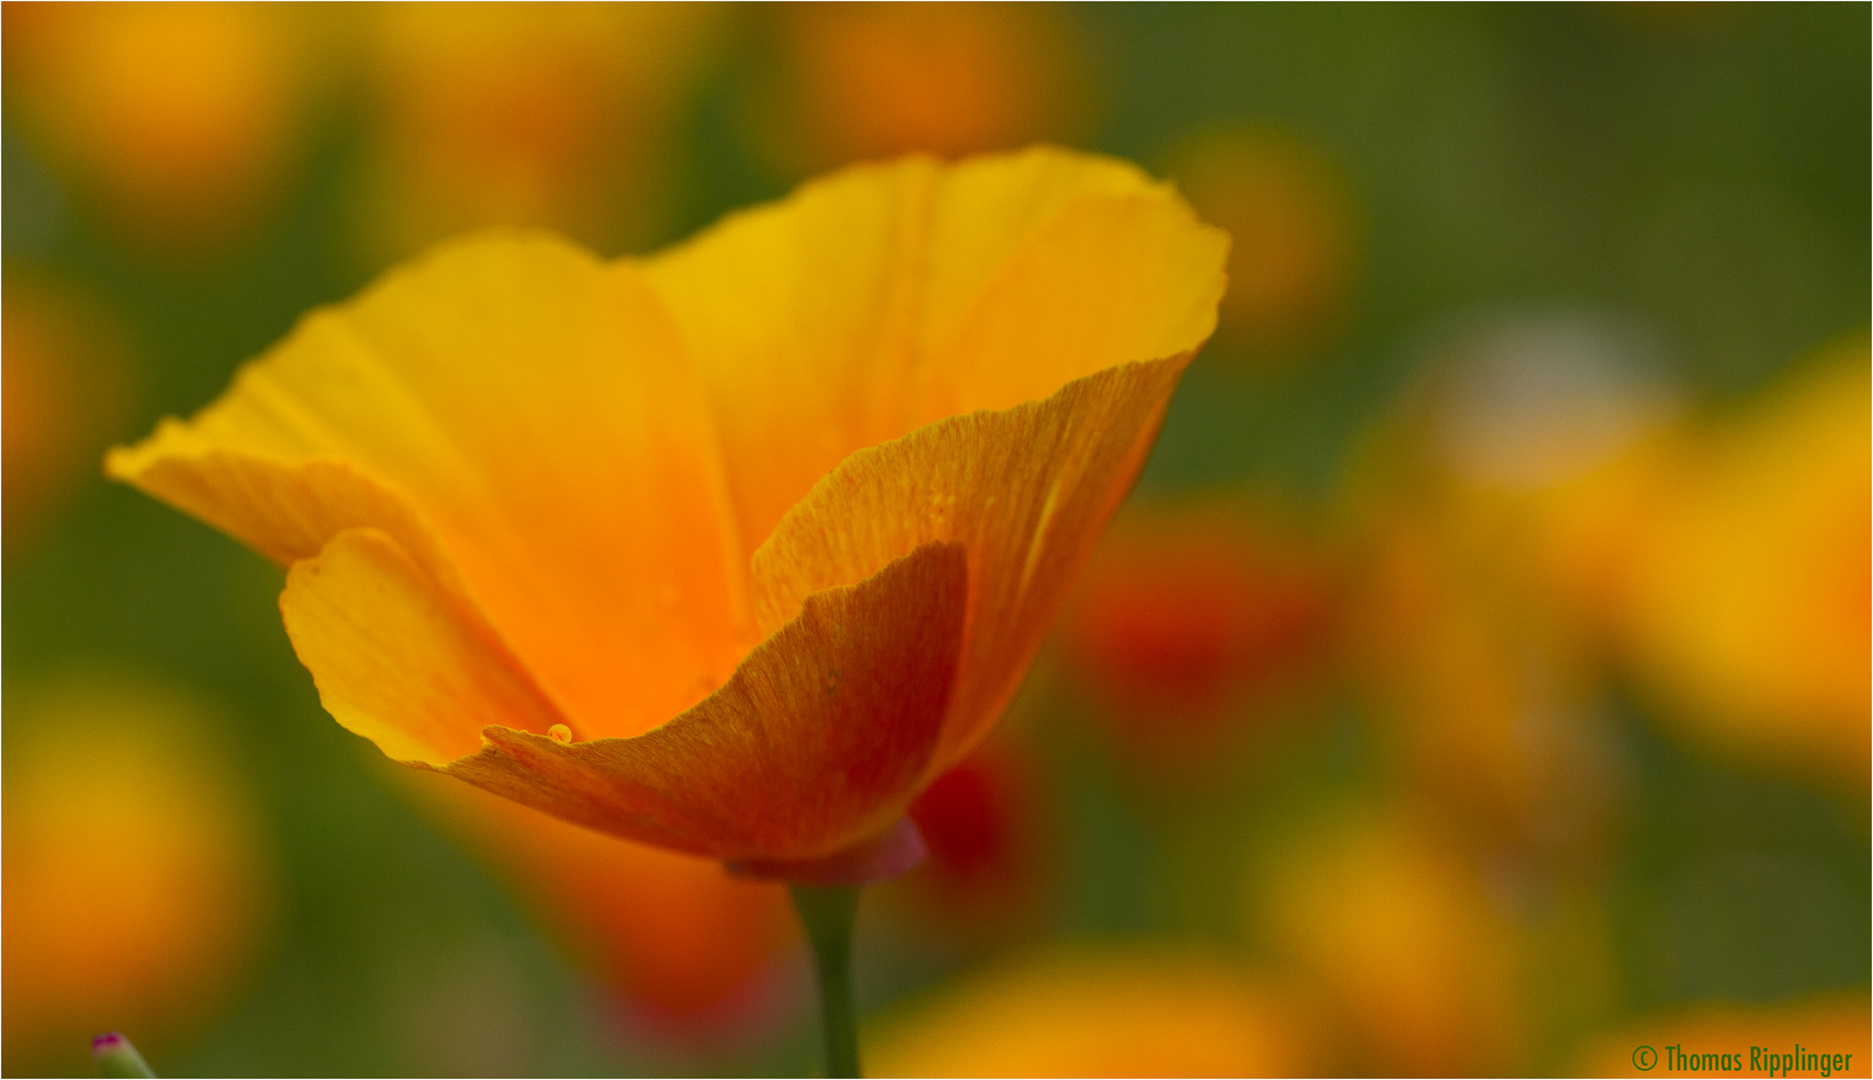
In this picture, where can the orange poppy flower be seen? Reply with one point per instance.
(730, 549)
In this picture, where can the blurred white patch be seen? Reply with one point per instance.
(1535, 401)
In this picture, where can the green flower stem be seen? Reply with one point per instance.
(828, 914)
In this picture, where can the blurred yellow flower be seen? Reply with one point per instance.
(1393, 926)
(732, 549)
(1104, 1011)
(552, 115)
(181, 119)
(1749, 606)
(134, 883)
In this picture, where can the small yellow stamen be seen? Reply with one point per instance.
(560, 733)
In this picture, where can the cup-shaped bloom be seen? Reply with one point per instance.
(732, 548)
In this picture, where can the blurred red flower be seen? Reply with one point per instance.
(1187, 615)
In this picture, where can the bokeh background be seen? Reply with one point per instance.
(1478, 680)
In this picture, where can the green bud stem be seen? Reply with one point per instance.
(828, 913)
(114, 1056)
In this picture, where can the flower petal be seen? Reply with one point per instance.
(972, 480)
(1110, 279)
(531, 410)
(398, 659)
(286, 512)
(817, 743)
(889, 296)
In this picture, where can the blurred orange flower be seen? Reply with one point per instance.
(1188, 612)
(135, 888)
(813, 485)
(63, 389)
(1749, 592)
(549, 115)
(180, 118)
(1296, 231)
(876, 80)
(1099, 1011)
